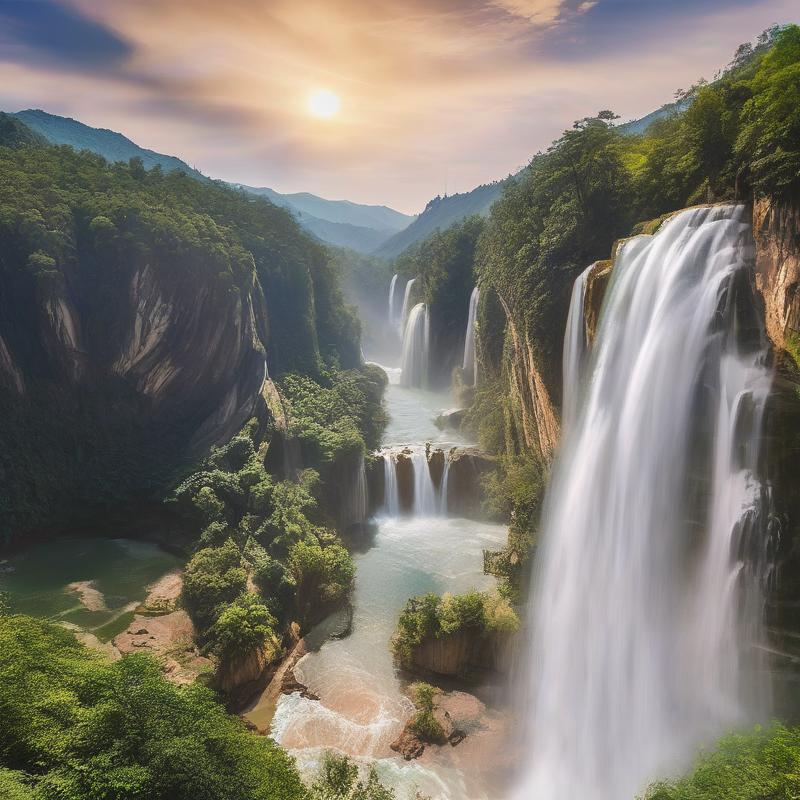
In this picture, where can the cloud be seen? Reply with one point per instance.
(468, 87)
(44, 30)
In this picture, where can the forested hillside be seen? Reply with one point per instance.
(147, 308)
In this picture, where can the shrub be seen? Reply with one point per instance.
(242, 627)
(84, 728)
(760, 765)
(214, 576)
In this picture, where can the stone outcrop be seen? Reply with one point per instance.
(466, 654)
(146, 369)
(537, 420)
(596, 284)
(466, 468)
(776, 229)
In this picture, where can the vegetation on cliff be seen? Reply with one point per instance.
(764, 763)
(431, 616)
(106, 270)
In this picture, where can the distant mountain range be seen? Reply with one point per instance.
(339, 222)
(377, 230)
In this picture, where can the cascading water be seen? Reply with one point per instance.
(415, 348)
(356, 505)
(391, 491)
(392, 308)
(443, 488)
(575, 347)
(470, 365)
(406, 308)
(426, 500)
(648, 595)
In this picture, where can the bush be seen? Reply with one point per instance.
(84, 728)
(214, 576)
(242, 627)
(761, 765)
(430, 616)
(338, 779)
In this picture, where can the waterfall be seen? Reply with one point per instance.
(575, 347)
(356, 505)
(648, 597)
(391, 491)
(426, 502)
(415, 348)
(470, 365)
(406, 308)
(392, 309)
(443, 509)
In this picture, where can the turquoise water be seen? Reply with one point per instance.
(113, 575)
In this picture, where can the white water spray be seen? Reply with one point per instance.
(415, 348)
(470, 364)
(648, 600)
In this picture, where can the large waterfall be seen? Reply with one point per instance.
(470, 364)
(648, 590)
(415, 348)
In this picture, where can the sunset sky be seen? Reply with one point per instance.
(415, 95)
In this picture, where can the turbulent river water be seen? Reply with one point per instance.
(362, 706)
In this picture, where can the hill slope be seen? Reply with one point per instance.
(337, 222)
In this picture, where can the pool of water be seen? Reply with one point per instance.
(90, 582)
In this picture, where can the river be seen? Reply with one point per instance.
(363, 706)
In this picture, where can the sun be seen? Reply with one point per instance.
(323, 104)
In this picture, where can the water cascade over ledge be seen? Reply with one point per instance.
(470, 363)
(648, 592)
(393, 302)
(575, 347)
(406, 307)
(416, 338)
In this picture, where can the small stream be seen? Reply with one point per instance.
(362, 706)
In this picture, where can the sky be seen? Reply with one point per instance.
(434, 96)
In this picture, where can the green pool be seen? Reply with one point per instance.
(94, 583)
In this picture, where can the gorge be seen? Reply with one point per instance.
(512, 515)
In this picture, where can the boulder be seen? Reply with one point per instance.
(450, 420)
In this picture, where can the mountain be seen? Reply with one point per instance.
(338, 222)
(441, 213)
(111, 145)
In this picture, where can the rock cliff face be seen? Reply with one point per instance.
(134, 373)
(464, 654)
(776, 228)
(536, 414)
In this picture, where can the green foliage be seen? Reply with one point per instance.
(423, 695)
(760, 765)
(337, 416)
(322, 575)
(213, 577)
(72, 224)
(82, 728)
(241, 627)
(338, 779)
(432, 616)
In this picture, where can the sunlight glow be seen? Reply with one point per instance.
(323, 104)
